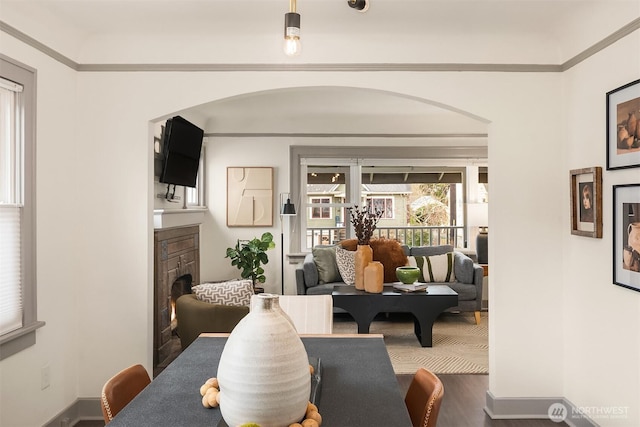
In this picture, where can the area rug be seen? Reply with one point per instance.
(459, 345)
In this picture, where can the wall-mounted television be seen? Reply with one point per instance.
(181, 147)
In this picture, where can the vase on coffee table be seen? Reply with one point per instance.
(364, 255)
(374, 277)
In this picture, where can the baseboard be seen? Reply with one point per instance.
(81, 409)
(537, 408)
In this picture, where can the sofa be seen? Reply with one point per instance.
(468, 277)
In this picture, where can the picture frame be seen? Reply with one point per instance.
(623, 126)
(626, 236)
(249, 196)
(586, 202)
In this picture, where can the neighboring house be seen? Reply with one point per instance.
(390, 199)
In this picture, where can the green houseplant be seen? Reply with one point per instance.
(249, 256)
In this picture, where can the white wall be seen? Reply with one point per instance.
(600, 319)
(59, 254)
(533, 340)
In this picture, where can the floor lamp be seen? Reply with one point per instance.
(286, 209)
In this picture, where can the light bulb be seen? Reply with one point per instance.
(292, 46)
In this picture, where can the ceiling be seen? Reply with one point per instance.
(250, 31)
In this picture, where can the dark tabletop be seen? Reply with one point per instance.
(358, 386)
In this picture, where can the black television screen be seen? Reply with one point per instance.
(182, 145)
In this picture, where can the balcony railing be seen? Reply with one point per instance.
(408, 235)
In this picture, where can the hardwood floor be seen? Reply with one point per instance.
(464, 401)
(462, 406)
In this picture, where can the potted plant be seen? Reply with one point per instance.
(249, 256)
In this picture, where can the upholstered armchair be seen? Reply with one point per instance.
(195, 317)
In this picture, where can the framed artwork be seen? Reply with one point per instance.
(586, 202)
(249, 196)
(623, 126)
(626, 236)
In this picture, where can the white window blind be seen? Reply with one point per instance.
(11, 199)
(10, 267)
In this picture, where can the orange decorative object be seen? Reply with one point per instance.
(374, 277)
(364, 255)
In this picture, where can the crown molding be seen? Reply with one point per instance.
(346, 135)
(326, 67)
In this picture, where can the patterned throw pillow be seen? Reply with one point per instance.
(436, 268)
(232, 292)
(346, 261)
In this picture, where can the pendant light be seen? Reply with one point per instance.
(292, 45)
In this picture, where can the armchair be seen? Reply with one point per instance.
(195, 316)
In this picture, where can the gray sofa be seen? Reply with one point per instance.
(468, 274)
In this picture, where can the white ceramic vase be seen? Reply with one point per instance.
(264, 369)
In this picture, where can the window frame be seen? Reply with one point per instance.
(316, 200)
(388, 207)
(24, 337)
(302, 158)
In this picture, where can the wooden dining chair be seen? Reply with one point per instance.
(120, 389)
(423, 398)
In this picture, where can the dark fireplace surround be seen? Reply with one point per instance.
(176, 268)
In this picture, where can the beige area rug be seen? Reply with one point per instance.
(459, 345)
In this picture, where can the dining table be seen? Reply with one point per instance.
(356, 386)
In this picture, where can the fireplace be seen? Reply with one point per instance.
(176, 268)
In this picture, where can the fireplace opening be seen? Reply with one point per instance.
(181, 286)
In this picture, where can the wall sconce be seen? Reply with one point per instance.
(286, 209)
(292, 45)
(359, 5)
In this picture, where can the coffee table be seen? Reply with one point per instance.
(425, 306)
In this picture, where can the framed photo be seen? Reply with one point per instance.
(626, 236)
(623, 126)
(249, 197)
(586, 202)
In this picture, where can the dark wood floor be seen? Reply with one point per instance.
(462, 406)
(464, 401)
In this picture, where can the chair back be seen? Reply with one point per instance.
(423, 398)
(120, 389)
(310, 314)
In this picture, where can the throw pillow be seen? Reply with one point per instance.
(232, 292)
(325, 259)
(346, 261)
(389, 252)
(463, 268)
(436, 268)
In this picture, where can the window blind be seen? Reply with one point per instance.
(11, 301)
(10, 269)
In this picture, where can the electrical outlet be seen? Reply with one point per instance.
(45, 377)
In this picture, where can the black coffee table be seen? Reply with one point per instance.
(425, 306)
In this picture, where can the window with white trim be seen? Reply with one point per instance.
(320, 212)
(381, 204)
(17, 208)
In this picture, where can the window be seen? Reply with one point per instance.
(318, 212)
(17, 208)
(381, 204)
(401, 182)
